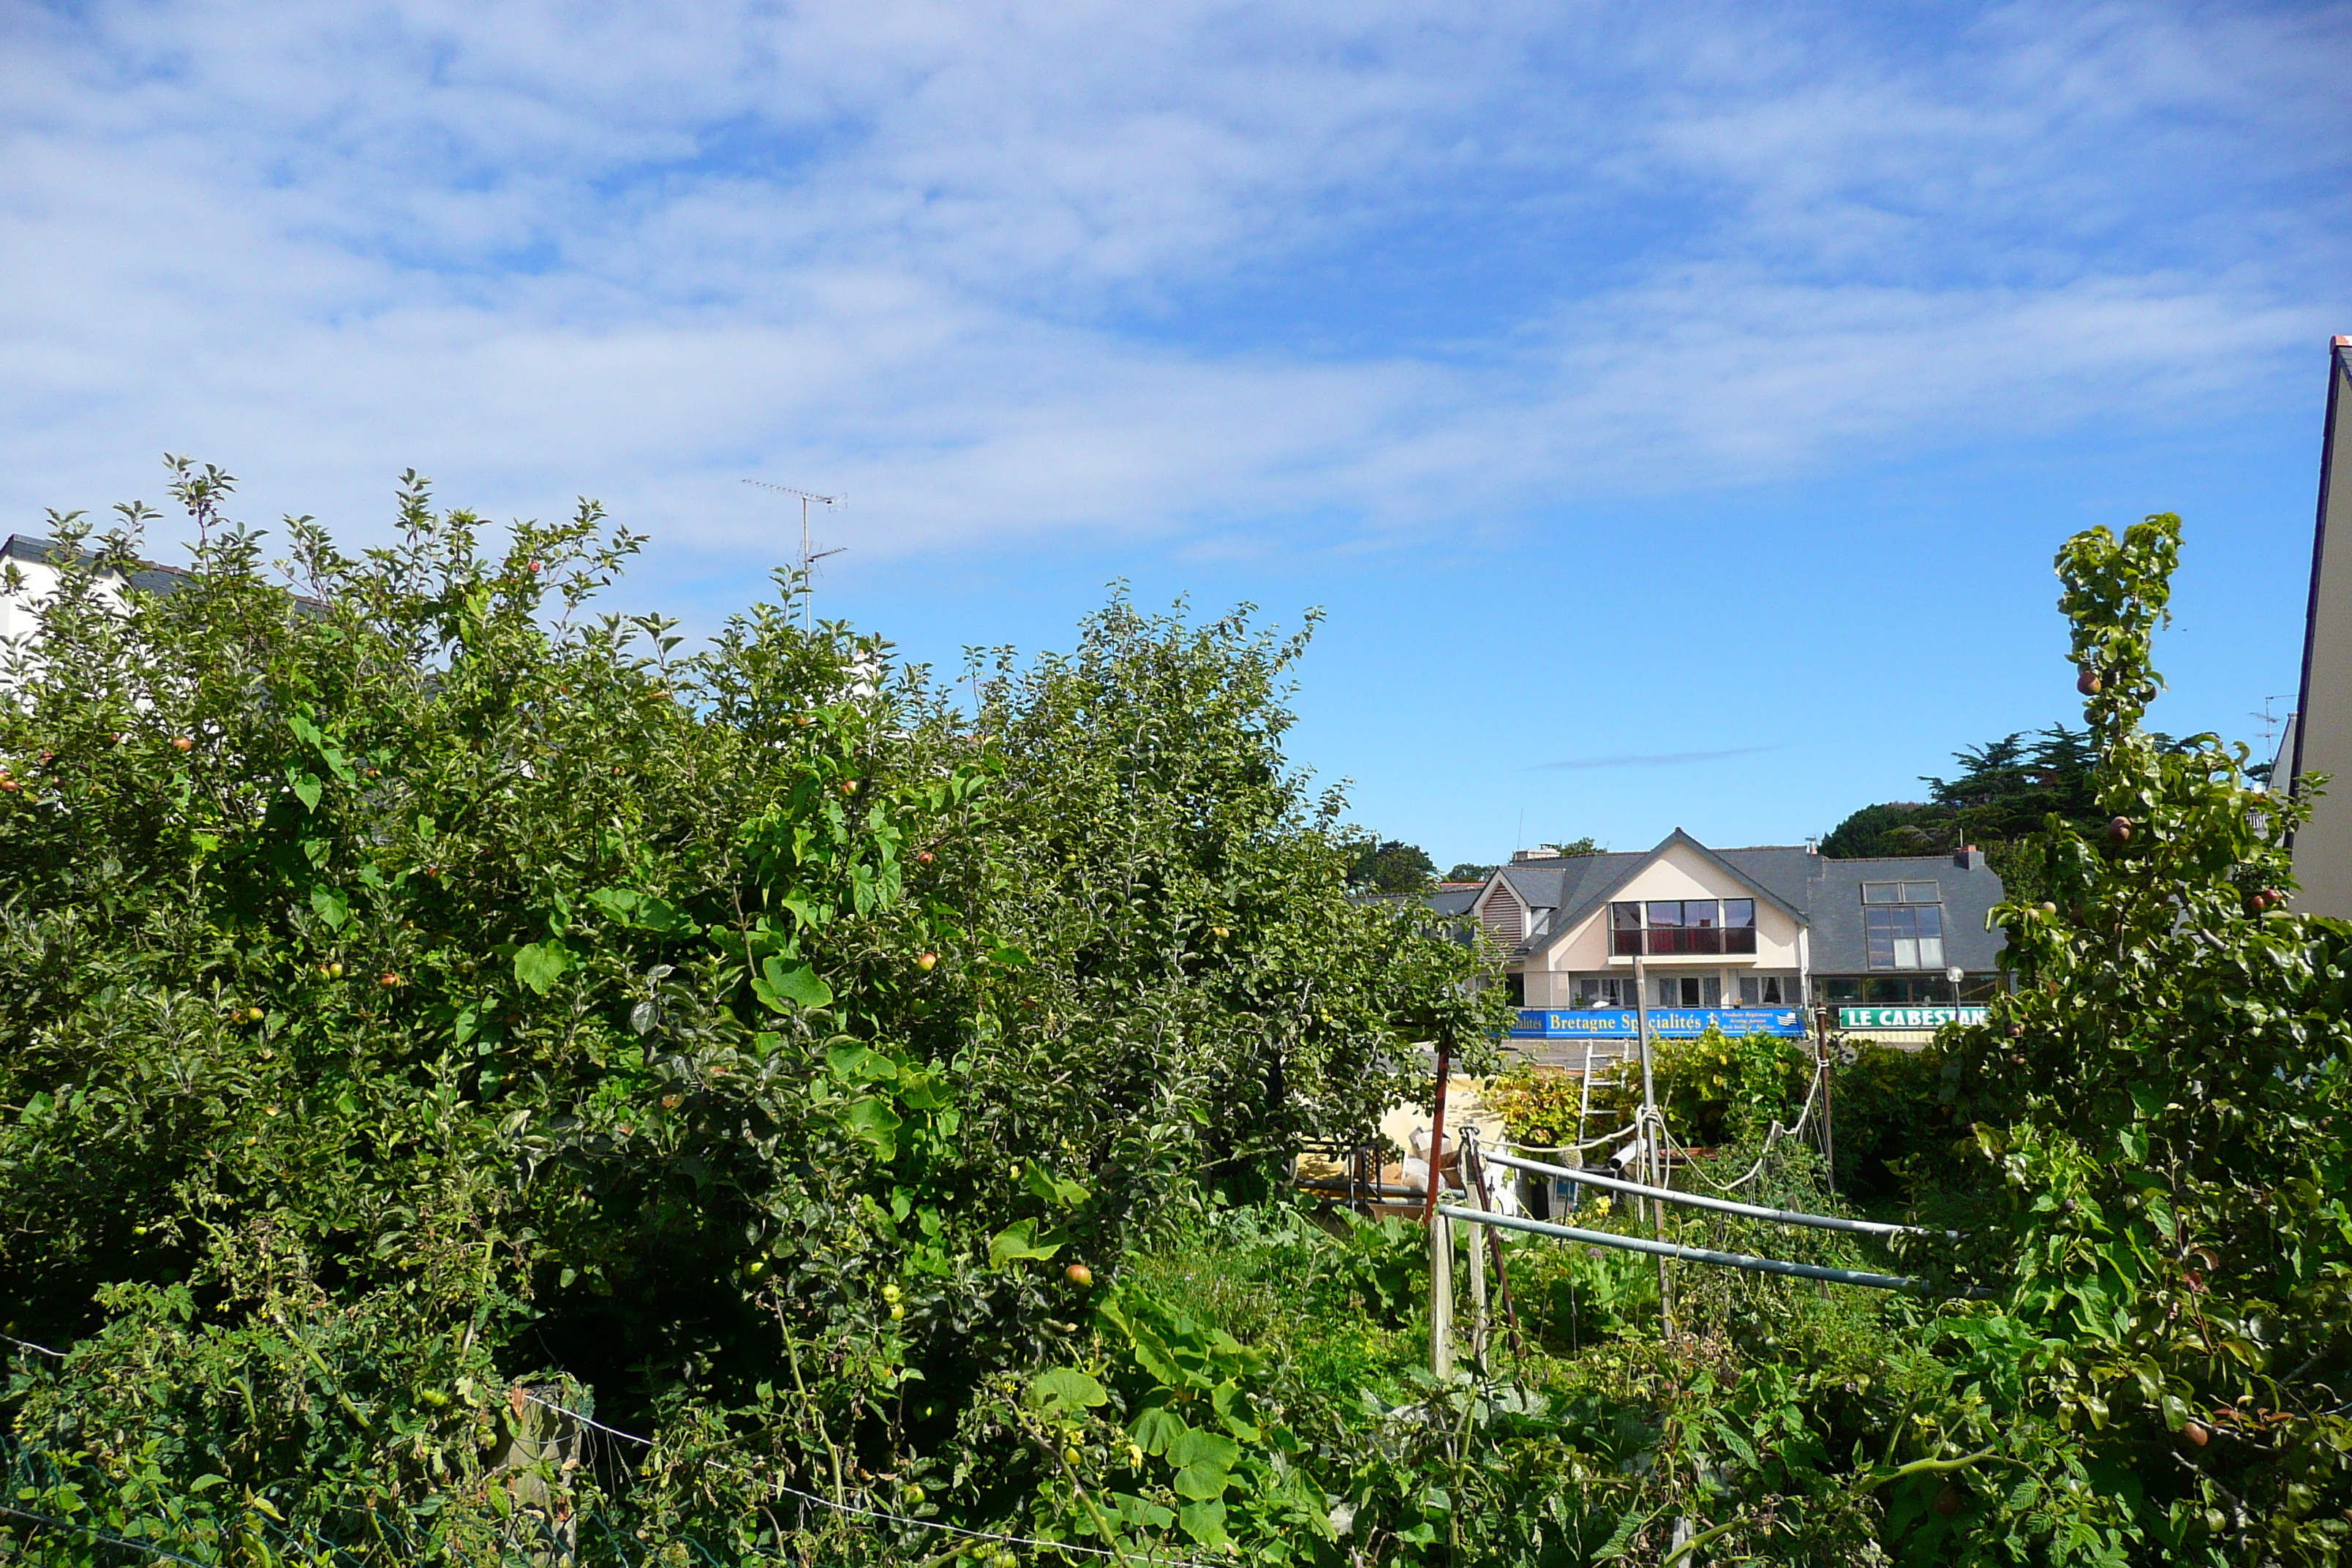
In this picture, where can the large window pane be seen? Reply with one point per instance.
(1878, 926)
(1906, 938)
(1737, 912)
(1930, 921)
(1921, 893)
(1931, 952)
(1625, 929)
(1668, 912)
(1702, 927)
(1881, 892)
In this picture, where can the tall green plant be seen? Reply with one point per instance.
(2164, 1100)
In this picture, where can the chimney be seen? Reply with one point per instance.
(1969, 858)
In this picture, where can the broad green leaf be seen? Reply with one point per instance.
(783, 986)
(1054, 1189)
(1157, 1429)
(1205, 1522)
(308, 789)
(1063, 1390)
(541, 964)
(641, 911)
(332, 906)
(853, 1062)
(1199, 1448)
(874, 1121)
(1015, 1242)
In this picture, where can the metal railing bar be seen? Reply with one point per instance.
(1696, 1254)
(1721, 1205)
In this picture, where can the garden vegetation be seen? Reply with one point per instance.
(480, 1084)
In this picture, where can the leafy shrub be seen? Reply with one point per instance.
(1890, 1105)
(417, 990)
(1713, 1087)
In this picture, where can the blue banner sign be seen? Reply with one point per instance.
(1665, 1023)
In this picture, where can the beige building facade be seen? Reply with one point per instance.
(2321, 737)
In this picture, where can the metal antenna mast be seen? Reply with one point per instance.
(809, 558)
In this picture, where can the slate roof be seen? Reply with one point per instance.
(1455, 897)
(145, 575)
(1825, 894)
(1970, 893)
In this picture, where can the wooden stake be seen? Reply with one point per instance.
(1495, 1243)
(1441, 1297)
(1441, 1235)
(1436, 1138)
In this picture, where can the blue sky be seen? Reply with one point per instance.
(1708, 385)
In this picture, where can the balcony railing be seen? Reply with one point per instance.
(1682, 942)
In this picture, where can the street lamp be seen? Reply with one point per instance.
(1956, 975)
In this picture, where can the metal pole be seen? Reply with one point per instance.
(1583, 1110)
(1828, 1134)
(1653, 1161)
(1700, 1254)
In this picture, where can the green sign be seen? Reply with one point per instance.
(1907, 1018)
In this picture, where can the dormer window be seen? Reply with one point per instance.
(1904, 924)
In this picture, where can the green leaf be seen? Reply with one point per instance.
(1064, 1390)
(332, 906)
(783, 987)
(874, 1121)
(1204, 1462)
(853, 1062)
(641, 911)
(1054, 1189)
(1205, 1522)
(308, 789)
(1158, 1429)
(541, 964)
(1014, 1242)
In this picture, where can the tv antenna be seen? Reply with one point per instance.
(2269, 719)
(809, 558)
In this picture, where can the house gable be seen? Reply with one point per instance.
(1679, 868)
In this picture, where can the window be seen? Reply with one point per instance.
(1684, 925)
(1666, 927)
(1768, 990)
(1688, 990)
(1625, 929)
(1604, 991)
(1901, 893)
(1908, 936)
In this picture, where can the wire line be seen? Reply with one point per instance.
(870, 1512)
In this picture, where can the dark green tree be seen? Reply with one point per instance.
(1470, 871)
(1391, 865)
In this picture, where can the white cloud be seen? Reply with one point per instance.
(978, 264)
